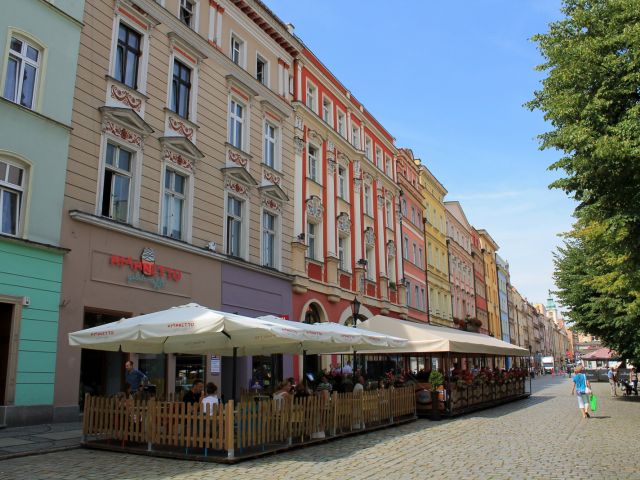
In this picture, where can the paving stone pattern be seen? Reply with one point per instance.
(543, 437)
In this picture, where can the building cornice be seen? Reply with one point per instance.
(36, 114)
(125, 229)
(31, 243)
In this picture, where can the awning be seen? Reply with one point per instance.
(432, 339)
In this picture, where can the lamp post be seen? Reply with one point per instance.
(355, 311)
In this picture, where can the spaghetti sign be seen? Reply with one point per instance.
(146, 270)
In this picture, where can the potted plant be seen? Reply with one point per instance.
(436, 379)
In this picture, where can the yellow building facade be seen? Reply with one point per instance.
(439, 287)
(489, 249)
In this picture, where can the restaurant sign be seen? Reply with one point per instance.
(145, 270)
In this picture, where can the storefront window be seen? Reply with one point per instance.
(155, 368)
(188, 369)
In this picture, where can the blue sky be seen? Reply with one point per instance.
(448, 80)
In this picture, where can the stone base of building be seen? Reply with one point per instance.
(25, 415)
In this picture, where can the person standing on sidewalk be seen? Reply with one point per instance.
(580, 385)
(612, 381)
(134, 377)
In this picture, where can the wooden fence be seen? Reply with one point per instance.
(245, 428)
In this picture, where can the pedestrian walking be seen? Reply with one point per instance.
(581, 388)
(633, 379)
(134, 377)
(612, 381)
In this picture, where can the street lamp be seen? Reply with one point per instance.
(355, 310)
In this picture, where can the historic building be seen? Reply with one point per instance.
(436, 238)
(180, 180)
(489, 248)
(480, 289)
(461, 265)
(39, 44)
(347, 235)
(413, 237)
(503, 297)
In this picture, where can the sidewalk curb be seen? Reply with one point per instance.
(10, 456)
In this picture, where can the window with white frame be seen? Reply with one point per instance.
(187, 12)
(270, 144)
(429, 254)
(174, 204)
(367, 200)
(368, 148)
(342, 123)
(12, 189)
(128, 52)
(342, 182)
(404, 208)
(408, 299)
(379, 158)
(23, 71)
(371, 266)
(312, 163)
(405, 251)
(413, 214)
(269, 235)
(236, 124)
(327, 111)
(424, 306)
(181, 89)
(416, 296)
(237, 51)
(235, 225)
(343, 253)
(391, 270)
(312, 97)
(116, 202)
(437, 254)
(355, 136)
(415, 253)
(389, 213)
(262, 70)
(420, 258)
(311, 240)
(387, 166)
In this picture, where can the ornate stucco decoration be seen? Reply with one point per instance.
(123, 133)
(369, 237)
(178, 159)
(331, 166)
(270, 204)
(299, 123)
(380, 201)
(357, 183)
(236, 187)
(344, 223)
(298, 144)
(391, 248)
(315, 209)
(126, 98)
(330, 145)
(368, 179)
(180, 127)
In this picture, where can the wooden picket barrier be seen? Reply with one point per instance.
(247, 428)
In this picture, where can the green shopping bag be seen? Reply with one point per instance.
(593, 402)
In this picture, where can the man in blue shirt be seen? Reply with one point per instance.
(612, 381)
(134, 378)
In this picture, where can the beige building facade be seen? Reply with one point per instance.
(489, 249)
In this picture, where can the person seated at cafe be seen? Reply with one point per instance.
(359, 387)
(302, 391)
(347, 369)
(292, 385)
(324, 385)
(211, 399)
(193, 395)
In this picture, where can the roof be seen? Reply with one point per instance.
(601, 354)
(430, 338)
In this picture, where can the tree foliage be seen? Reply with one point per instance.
(591, 98)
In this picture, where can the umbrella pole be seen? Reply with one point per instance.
(234, 370)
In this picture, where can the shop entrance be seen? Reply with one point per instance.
(6, 321)
(101, 373)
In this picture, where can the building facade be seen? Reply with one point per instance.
(461, 266)
(480, 289)
(346, 224)
(39, 46)
(489, 248)
(503, 297)
(413, 237)
(180, 179)
(436, 239)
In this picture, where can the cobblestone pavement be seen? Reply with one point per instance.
(542, 437)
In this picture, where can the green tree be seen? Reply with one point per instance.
(591, 98)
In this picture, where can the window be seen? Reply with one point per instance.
(262, 70)
(367, 148)
(341, 123)
(406, 248)
(367, 200)
(355, 136)
(389, 213)
(379, 158)
(387, 167)
(234, 226)
(187, 12)
(22, 73)
(420, 258)
(236, 124)
(173, 204)
(371, 268)
(413, 214)
(269, 239)
(311, 240)
(327, 111)
(270, 144)
(116, 186)
(342, 182)
(12, 180)
(312, 97)
(342, 241)
(408, 285)
(423, 306)
(416, 296)
(127, 56)
(415, 253)
(237, 51)
(312, 160)
(181, 89)
(429, 254)
(404, 207)
(437, 259)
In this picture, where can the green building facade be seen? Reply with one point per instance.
(39, 43)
